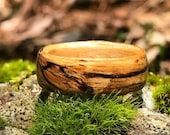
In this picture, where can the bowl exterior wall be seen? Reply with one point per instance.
(85, 77)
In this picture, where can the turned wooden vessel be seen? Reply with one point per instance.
(91, 67)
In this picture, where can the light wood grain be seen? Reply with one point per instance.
(92, 67)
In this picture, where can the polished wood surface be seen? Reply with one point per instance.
(91, 67)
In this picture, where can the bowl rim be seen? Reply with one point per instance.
(92, 44)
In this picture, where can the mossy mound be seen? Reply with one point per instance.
(82, 116)
(161, 96)
(15, 70)
(161, 92)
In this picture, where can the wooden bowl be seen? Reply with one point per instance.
(91, 67)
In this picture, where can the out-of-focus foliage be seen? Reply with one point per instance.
(15, 70)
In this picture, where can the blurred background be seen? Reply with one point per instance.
(27, 25)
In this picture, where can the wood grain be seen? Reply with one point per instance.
(91, 67)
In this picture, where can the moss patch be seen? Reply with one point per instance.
(70, 115)
(161, 92)
(161, 96)
(14, 70)
(2, 123)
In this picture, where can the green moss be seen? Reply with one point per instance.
(14, 70)
(161, 95)
(2, 123)
(70, 115)
(154, 79)
(121, 35)
(161, 92)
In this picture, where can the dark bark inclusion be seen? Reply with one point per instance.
(131, 74)
(82, 85)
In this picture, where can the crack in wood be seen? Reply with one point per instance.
(49, 64)
(93, 75)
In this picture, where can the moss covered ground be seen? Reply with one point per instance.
(74, 115)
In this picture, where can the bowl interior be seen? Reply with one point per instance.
(90, 53)
(90, 50)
